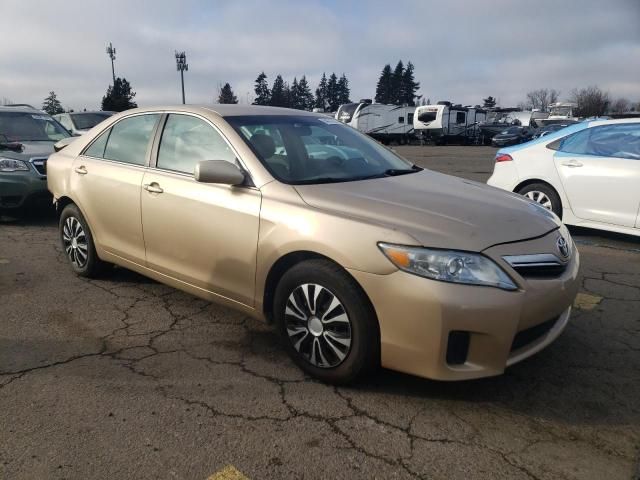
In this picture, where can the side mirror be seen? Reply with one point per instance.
(219, 171)
(63, 143)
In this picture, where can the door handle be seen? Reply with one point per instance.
(82, 170)
(152, 187)
(572, 164)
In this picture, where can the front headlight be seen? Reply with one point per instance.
(11, 165)
(448, 265)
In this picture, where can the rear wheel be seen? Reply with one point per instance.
(326, 322)
(77, 243)
(543, 194)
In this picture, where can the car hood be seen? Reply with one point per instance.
(30, 150)
(437, 210)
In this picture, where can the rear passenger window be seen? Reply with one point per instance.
(577, 143)
(97, 147)
(186, 140)
(129, 139)
(620, 141)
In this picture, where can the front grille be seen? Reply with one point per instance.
(40, 164)
(540, 271)
(531, 334)
(539, 265)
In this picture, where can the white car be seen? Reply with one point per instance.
(588, 173)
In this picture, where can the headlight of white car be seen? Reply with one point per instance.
(11, 165)
(448, 265)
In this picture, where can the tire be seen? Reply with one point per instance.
(77, 243)
(352, 320)
(543, 194)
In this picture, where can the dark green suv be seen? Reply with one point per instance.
(27, 137)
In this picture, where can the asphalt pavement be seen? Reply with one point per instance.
(123, 377)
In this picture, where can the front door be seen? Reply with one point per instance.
(203, 234)
(106, 181)
(600, 171)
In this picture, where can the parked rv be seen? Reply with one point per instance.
(447, 123)
(385, 123)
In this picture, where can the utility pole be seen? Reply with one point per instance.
(111, 51)
(182, 66)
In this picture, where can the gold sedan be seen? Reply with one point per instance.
(359, 257)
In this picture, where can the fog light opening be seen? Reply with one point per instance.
(458, 347)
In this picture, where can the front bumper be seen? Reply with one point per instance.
(425, 323)
(20, 188)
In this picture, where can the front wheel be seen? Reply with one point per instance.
(77, 243)
(543, 194)
(326, 322)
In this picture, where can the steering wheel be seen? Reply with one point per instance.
(336, 160)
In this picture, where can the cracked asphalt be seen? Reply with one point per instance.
(126, 378)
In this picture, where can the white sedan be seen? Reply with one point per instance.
(588, 174)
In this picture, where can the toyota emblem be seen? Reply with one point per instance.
(563, 246)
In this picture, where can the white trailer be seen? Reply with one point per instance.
(386, 123)
(445, 122)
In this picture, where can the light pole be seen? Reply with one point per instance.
(111, 51)
(182, 66)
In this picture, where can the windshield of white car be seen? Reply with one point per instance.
(85, 121)
(308, 150)
(30, 127)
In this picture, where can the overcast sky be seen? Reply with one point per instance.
(462, 50)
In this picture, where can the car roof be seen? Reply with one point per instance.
(88, 112)
(595, 123)
(225, 110)
(22, 110)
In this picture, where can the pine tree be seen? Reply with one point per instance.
(384, 86)
(305, 97)
(294, 94)
(321, 93)
(409, 86)
(278, 95)
(489, 102)
(332, 93)
(52, 105)
(343, 90)
(263, 94)
(287, 95)
(119, 97)
(226, 95)
(397, 85)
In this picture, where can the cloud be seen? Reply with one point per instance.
(462, 50)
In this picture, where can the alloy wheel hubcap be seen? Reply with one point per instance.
(539, 197)
(75, 242)
(318, 325)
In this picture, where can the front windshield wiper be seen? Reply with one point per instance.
(392, 172)
(314, 181)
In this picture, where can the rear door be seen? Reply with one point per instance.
(106, 179)
(600, 171)
(203, 234)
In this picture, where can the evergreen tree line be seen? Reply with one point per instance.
(397, 86)
(329, 95)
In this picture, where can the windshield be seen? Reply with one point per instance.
(85, 121)
(308, 150)
(561, 111)
(345, 114)
(30, 127)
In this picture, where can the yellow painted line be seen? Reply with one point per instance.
(584, 301)
(228, 473)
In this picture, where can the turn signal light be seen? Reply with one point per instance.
(503, 158)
